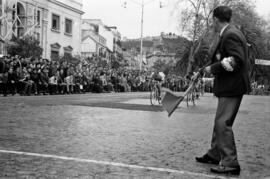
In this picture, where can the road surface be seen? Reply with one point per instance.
(119, 135)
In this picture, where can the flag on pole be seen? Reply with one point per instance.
(170, 101)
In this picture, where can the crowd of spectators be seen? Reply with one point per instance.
(259, 89)
(35, 76)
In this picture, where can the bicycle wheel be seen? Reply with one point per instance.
(193, 97)
(190, 98)
(158, 95)
(154, 96)
(187, 99)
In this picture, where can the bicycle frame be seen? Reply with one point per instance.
(154, 94)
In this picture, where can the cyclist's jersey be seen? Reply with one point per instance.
(158, 76)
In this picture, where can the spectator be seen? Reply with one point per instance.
(33, 85)
(11, 82)
(78, 88)
(53, 85)
(24, 78)
(34, 76)
(44, 80)
(62, 85)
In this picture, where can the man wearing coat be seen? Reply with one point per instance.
(230, 69)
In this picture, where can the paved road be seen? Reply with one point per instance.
(121, 136)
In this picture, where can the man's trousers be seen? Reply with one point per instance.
(223, 146)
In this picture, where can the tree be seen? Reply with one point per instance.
(163, 66)
(196, 20)
(182, 63)
(256, 30)
(261, 50)
(159, 65)
(27, 47)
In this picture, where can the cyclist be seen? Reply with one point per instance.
(159, 78)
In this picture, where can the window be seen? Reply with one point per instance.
(20, 32)
(68, 50)
(55, 51)
(67, 53)
(55, 22)
(68, 26)
(38, 17)
(37, 35)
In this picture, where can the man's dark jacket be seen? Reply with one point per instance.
(235, 83)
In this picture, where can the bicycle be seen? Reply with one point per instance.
(191, 97)
(193, 94)
(155, 97)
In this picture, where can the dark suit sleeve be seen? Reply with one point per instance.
(216, 68)
(233, 47)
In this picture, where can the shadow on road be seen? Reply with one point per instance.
(136, 107)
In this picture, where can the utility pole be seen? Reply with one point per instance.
(141, 49)
(142, 4)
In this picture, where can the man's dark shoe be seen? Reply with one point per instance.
(207, 159)
(226, 170)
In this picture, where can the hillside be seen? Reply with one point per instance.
(165, 45)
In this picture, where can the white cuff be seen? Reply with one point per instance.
(227, 63)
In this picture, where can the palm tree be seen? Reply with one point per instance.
(201, 55)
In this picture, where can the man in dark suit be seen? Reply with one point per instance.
(231, 82)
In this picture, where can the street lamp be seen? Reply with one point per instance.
(142, 4)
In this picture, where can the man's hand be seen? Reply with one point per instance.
(207, 69)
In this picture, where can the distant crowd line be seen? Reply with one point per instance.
(35, 76)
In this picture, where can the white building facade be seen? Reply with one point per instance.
(98, 37)
(55, 23)
(92, 42)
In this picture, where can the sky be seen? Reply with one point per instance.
(156, 19)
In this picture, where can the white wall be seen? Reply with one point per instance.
(108, 35)
(89, 46)
(60, 37)
(77, 4)
(104, 32)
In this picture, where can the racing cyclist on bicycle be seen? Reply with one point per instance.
(159, 78)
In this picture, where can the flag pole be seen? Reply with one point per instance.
(170, 101)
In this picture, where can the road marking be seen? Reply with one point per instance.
(115, 164)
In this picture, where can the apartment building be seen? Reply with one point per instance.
(93, 43)
(100, 39)
(55, 23)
